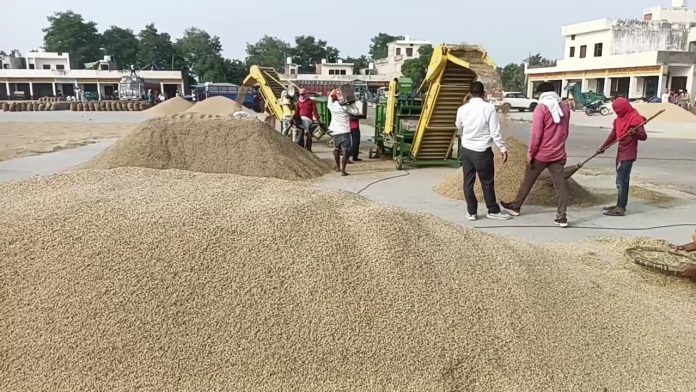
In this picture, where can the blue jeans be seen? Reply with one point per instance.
(623, 181)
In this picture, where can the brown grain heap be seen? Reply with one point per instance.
(217, 106)
(218, 145)
(508, 179)
(170, 106)
(171, 280)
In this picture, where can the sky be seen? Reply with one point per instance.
(508, 29)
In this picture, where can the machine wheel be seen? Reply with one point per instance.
(604, 111)
(588, 111)
(532, 107)
(399, 163)
(374, 152)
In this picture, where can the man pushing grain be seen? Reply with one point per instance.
(478, 125)
(547, 151)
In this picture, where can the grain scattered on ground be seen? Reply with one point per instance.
(217, 106)
(216, 145)
(508, 178)
(170, 106)
(173, 280)
(18, 139)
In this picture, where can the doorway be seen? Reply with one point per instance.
(678, 83)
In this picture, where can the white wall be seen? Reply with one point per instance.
(674, 15)
(589, 39)
(39, 63)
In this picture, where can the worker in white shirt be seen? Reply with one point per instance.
(340, 129)
(478, 125)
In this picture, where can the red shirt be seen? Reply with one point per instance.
(548, 141)
(354, 125)
(628, 146)
(308, 109)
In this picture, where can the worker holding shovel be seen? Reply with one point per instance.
(628, 130)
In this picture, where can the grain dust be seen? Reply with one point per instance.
(212, 145)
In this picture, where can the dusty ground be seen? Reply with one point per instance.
(19, 139)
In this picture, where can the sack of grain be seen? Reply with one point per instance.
(49, 107)
(130, 106)
(4, 106)
(30, 106)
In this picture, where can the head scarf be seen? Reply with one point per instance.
(627, 117)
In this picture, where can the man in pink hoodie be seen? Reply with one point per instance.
(547, 151)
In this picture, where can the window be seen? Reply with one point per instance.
(598, 49)
(60, 66)
(572, 51)
(343, 72)
(572, 37)
(47, 66)
(332, 72)
(31, 66)
(398, 51)
(293, 71)
(583, 51)
(6, 66)
(104, 67)
(409, 52)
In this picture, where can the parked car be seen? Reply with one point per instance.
(516, 101)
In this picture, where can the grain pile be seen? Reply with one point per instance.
(508, 179)
(170, 106)
(171, 280)
(217, 145)
(217, 106)
(673, 114)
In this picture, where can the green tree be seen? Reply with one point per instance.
(360, 63)
(416, 69)
(268, 52)
(68, 32)
(201, 53)
(379, 46)
(122, 44)
(308, 52)
(512, 76)
(155, 48)
(538, 60)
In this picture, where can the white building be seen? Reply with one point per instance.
(44, 74)
(631, 58)
(397, 54)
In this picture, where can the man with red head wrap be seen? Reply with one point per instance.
(629, 129)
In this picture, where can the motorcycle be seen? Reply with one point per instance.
(597, 106)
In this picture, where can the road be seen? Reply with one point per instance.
(661, 161)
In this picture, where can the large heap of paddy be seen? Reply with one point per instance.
(136, 278)
(508, 178)
(212, 145)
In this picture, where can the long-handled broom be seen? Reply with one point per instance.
(569, 171)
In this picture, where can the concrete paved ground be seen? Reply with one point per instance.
(665, 162)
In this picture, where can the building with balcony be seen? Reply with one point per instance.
(398, 52)
(638, 58)
(43, 74)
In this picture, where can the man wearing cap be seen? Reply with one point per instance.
(307, 110)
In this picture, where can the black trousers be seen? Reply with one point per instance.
(355, 143)
(481, 164)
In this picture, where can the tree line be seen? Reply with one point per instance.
(198, 55)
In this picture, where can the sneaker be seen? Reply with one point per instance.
(510, 209)
(472, 218)
(502, 215)
(562, 223)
